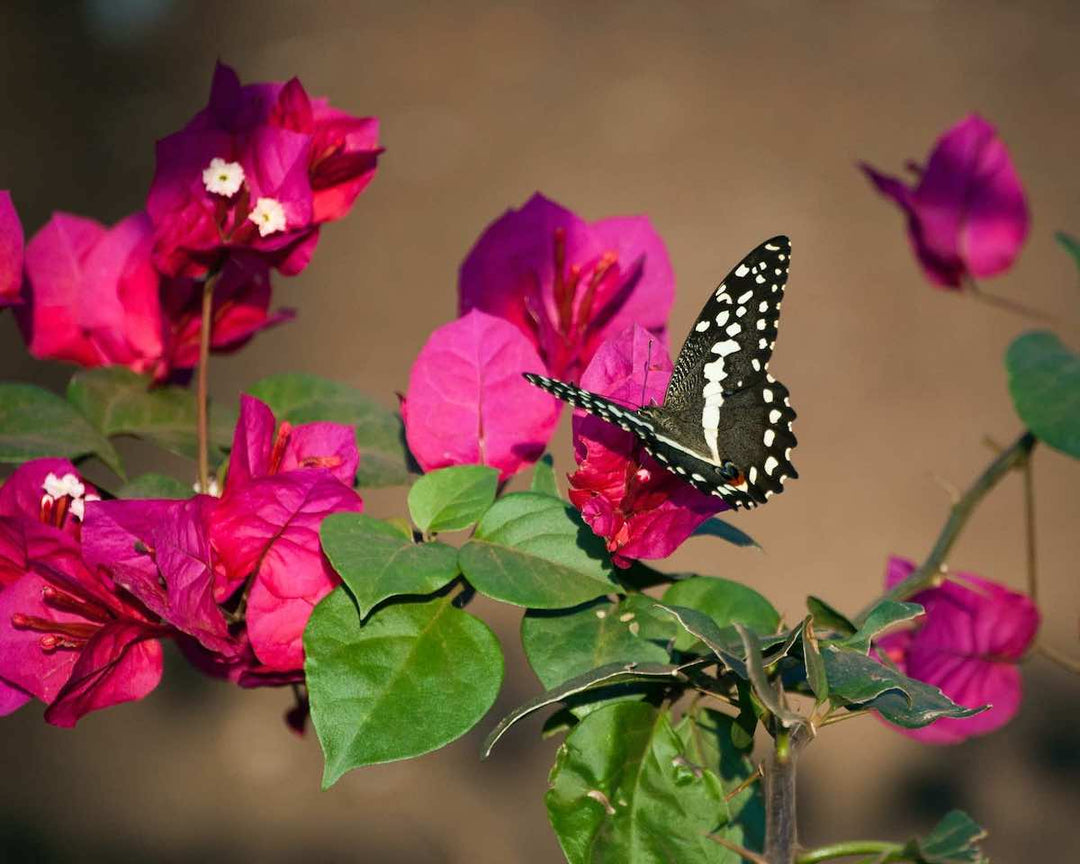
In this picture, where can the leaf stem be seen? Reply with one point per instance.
(929, 573)
(885, 851)
(977, 293)
(202, 384)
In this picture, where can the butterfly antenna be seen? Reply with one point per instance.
(645, 380)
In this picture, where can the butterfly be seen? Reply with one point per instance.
(725, 423)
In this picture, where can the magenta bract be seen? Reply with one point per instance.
(467, 403)
(11, 251)
(969, 644)
(967, 213)
(626, 496)
(568, 284)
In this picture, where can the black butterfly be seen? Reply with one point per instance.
(725, 423)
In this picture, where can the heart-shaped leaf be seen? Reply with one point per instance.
(883, 616)
(454, 498)
(1044, 380)
(725, 602)
(36, 423)
(299, 398)
(377, 561)
(533, 550)
(413, 678)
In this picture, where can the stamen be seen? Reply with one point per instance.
(606, 262)
(64, 602)
(281, 440)
(321, 462)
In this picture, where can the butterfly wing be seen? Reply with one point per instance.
(603, 408)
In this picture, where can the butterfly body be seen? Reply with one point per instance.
(725, 423)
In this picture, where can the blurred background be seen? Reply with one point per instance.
(725, 122)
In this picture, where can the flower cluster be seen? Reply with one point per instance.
(240, 191)
(88, 588)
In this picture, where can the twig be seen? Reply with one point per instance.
(202, 385)
(929, 572)
(748, 854)
(1003, 302)
(885, 851)
(745, 784)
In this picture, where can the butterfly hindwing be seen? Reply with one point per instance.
(603, 408)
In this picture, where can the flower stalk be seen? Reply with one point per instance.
(203, 382)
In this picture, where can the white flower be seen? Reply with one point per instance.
(78, 505)
(269, 215)
(58, 487)
(223, 178)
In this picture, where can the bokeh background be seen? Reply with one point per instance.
(725, 122)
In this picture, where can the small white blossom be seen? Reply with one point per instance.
(78, 505)
(213, 488)
(58, 487)
(269, 215)
(223, 178)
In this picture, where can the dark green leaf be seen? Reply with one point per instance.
(815, 666)
(766, 690)
(299, 398)
(716, 527)
(725, 602)
(954, 840)
(1069, 244)
(862, 682)
(155, 486)
(828, 618)
(454, 498)
(561, 645)
(117, 401)
(722, 642)
(612, 673)
(413, 678)
(543, 477)
(377, 561)
(533, 550)
(624, 789)
(883, 616)
(36, 423)
(560, 722)
(1044, 380)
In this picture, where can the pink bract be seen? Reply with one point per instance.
(568, 284)
(11, 251)
(967, 213)
(626, 496)
(969, 644)
(467, 403)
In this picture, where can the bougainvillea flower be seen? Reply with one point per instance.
(260, 168)
(969, 644)
(241, 309)
(626, 496)
(49, 491)
(967, 213)
(568, 284)
(69, 638)
(92, 293)
(267, 530)
(467, 403)
(159, 551)
(11, 251)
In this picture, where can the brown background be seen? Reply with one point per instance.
(725, 123)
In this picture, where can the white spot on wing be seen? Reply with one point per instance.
(742, 270)
(701, 326)
(771, 465)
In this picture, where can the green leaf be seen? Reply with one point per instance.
(766, 691)
(1070, 244)
(864, 683)
(624, 789)
(828, 618)
(709, 738)
(155, 486)
(117, 401)
(543, 477)
(725, 602)
(413, 678)
(1044, 380)
(377, 561)
(715, 527)
(612, 673)
(815, 666)
(883, 616)
(533, 550)
(299, 398)
(719, 641)
(954, 840)
(36, 423)
(451, 499)
(564, 644)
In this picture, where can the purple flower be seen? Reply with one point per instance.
(969, 644)
(967, 215)
(467, 402)
(626, 496)
(568, 284)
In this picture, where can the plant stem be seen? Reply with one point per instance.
(1029, 532)
(851, 848)
(979, 294)
(929, 573)
(202, 385)
(780, 839)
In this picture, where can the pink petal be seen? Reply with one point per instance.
(253, 442)
(11, 251)
(323, 445)
(119, 664)
(467, 402)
